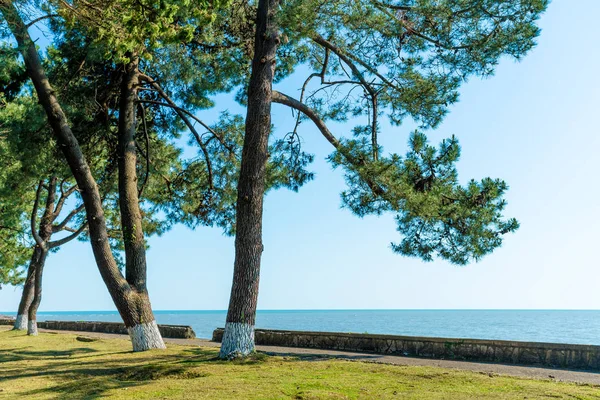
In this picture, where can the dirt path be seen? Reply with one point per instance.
(484, 368)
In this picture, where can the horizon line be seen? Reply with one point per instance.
(332, 309)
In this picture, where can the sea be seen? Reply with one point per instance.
(554, 326)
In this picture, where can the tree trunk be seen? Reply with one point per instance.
(27, 296)
(126, 300)
(144, 331)
(41, 250)
(37, 298)
(238, 339)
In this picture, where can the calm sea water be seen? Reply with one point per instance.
(581, 327)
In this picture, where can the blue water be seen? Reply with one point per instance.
(582, 327)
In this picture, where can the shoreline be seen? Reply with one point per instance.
(566, 327)
(572, 357)
(530, 372)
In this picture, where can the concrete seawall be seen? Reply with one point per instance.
(499, 351)
(167, 331)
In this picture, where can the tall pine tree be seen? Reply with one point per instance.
(129, 292)
(406, 60)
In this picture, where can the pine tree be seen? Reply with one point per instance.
(27, 164)
(128, 292)
(37, 186)
(407, 60)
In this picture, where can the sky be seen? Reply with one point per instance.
(534, 124)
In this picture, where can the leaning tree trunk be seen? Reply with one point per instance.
(32, 290)
(27, 295)
(238, 339)
(41, 249)
(143, 331)
(37, 298)
(129, 303)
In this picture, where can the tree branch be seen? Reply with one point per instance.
(278, 97)
(284, 99)
(67, 239)
(147, 155)
(61, 226)
(350, 59)
(367, 85)
(34, 232)
(181, 112)
(35, 21)
(64, 195)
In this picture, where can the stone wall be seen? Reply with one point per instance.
(4, 320)
(499, 351)
(167, 331)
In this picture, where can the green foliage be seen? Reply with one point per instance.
(206, 200)
(414, 55)
(372, 58)
(367, 59)
(202, 190)
(435, 214)
(24, 160)
(87, 84)
(408, 60)
(126, 27)
(92, 103)
(441, 217)
(14, 243)
(12, 74)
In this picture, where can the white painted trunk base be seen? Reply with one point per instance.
(32, 328)
(238, 340)
(20, 322)
(146, 337)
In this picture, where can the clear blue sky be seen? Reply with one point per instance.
(534, 124)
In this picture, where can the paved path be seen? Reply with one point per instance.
(485, 368)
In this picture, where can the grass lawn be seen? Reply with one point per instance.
(62, 366)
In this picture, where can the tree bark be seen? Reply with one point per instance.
(37, 297)
(27, 295)
(144, 333)
(238, 339)
(32, 290)
(41, 251)
(125, 299)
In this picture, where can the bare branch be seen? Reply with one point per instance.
(67, 239)
(35, 21)
(374, 128)
(147, 155)
(284, 99)
(61, 226)
(180, 110)
(34, 232)
(64, 195)
(367, 85)
(182, 114)
(351, 59)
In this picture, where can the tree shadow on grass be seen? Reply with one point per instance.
(55, 353)
(9, 356)
(87, 373)
(87, 377)
(202, 356)
(19, 355)
(81, 386)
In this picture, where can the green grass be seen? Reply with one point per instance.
(62, 366)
